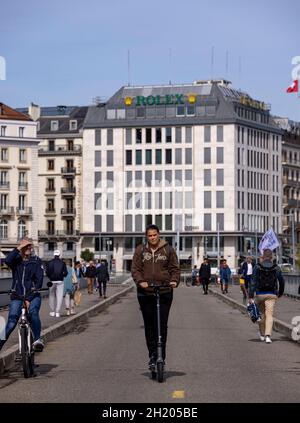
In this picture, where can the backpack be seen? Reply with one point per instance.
(267, 278)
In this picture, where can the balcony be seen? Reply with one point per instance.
(290, 202)
(50, 212)
(23, 186)
(4, 185)
(7, 211)
(66, 234)
(68, 212)
(68, 191)
(71, 171)
(26, 211)
(290, 182)
(60, 151)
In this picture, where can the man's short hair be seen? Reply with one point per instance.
(152, 227)
(267, 254)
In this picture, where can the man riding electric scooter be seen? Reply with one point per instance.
(155, 264)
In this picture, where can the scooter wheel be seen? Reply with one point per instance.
(160, 372)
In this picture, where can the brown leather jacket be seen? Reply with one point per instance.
(159, 266)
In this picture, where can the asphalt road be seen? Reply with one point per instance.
(213, 355)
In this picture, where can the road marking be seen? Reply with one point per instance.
(178, 394)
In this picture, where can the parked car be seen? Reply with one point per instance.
(286, 267)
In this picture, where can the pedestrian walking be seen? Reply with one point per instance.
(268, 285)
(102, 275)
(194, 275)
(90, 274)
(70, 286)
(205, 275)
(56, 270)
(27, 278)
(155, 262)
(247, 272)
(225, 274)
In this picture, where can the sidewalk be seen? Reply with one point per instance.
(52, 327)
(285, 308)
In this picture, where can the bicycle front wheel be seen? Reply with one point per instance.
(27, 362)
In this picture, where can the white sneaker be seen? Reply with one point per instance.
(57, 315)
(72, 311)
(52, 313)
(268, 340)
(68, 312)
(261, 337)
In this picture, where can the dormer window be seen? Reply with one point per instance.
(73, 125)
(21, 131)
(3, 129)
(54, 125)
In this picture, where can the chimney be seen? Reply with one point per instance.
(34, 111)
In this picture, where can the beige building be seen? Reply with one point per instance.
(18, 178)
(60, 184)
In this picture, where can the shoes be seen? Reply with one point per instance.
(152, 362)
(205, 293)
(52, 313)
(68, 312)
(38, 345)
(268, 339)
(261, 337)
(57, 315)
(105, 296)
(72, 311)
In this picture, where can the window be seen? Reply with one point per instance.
(98, 223)
(158, 200)
(220, 134)
(129, 200)
(128, 228)
(168, 156)
(220, 221)
(21, 229)
(188, 134)
(138, 157)
(50, 184)
(21, 131)
(110, 137)
(51, 204)
(110, 201)
(207, 199)
(168, 200)
(220, 199)
(148, 157)
(207, 133)
(158, 135)
(158, 221)
(3, 131)
(138, 178)
(220, 177)
(158, 178)
(148, 135)
(207, 221)
(22, 180)
(128, 157)
(50, 227)
(188, 156)
(4, 154)
(138, 135)
(97, 179)
(168, 134)
(98, 137)
(158, 156)
(3, 229)
(98, 158)
(109, 223)
(178, 156)
(109, 179)
(220, 155)
(148, 178)
(190, 110)
(168, 222)
(180, 111)
(22, 199)
(168, 178)
(188, 200)
(128, 136)
(109, 158)
(138, 223)
(3, 201)
(178, 138)
(188, 178)
(70, 145)
(178, 178)
(148, 200)
(128, 179)
(54, 125)
(22, 155)
(207, 177)
(207, 155)
(73, 125)
(50, 164)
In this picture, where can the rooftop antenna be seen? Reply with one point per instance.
(128, 65)
(212, 61)
(170, 66)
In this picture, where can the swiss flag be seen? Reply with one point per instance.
(294, 87)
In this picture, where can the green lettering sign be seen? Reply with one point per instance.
(179, 99)
(140, 100)
(169, 99)
(151, 100)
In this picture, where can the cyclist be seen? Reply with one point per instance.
(27, 275)
(155, 262)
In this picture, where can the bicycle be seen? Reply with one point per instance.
(157, 369)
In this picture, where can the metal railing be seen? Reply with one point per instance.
(68, 211)
(23, 186)
(4, 185)
(65, 170)
(67, 190)
(7, 211)
(24, 211)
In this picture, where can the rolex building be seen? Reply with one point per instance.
(202, 161)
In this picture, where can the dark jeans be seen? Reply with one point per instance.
(149, 311)
(102, 288)
(205, 283)
(248, 279)
(15, 310)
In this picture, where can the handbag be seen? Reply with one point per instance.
(77, 297)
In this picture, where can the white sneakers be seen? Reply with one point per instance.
(261, 337)
(57, 315)
(268, 340)
(52, 313)
(68, 312)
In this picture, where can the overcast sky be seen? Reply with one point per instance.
(70, 51)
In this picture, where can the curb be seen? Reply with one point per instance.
(278, 325)
(7, 359)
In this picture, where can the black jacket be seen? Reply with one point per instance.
(27, 275)
(205, 272)
(90, 272)
(102, 273)
(56, 269)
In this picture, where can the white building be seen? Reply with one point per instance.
(192, 158)
(18, 178)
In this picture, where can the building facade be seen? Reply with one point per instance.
(200, 160)
(18, 178)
